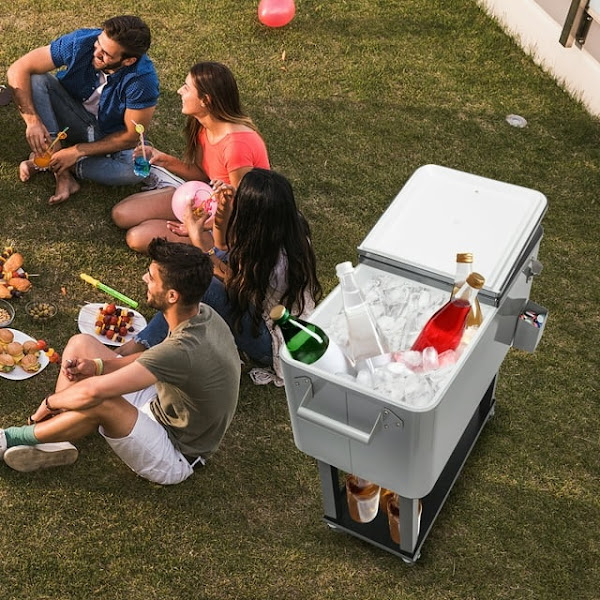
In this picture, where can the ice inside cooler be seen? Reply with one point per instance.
(401, 307)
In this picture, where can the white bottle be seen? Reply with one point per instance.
(367, 345)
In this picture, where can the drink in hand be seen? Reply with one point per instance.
(41, 161)
(141, 166)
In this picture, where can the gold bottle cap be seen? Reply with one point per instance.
(277, 312)
(475, 280)
(464, 257)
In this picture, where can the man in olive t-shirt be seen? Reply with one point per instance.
(163, 411)
(197, 372)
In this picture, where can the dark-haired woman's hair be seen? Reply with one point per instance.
(265, 224)
(130, 32)
(183, 268)
(216, 85)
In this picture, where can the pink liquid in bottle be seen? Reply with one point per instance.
(445, 328)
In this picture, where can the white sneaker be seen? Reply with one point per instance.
(40, 456)
(160, 178)
(2, 443)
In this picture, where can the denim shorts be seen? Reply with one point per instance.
(258, 348)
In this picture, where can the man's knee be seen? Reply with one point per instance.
(81, 344)
(41, 83)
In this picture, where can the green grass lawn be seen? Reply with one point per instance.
(352, 97)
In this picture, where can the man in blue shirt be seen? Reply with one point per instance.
(107, 86)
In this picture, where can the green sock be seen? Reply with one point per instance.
(20, 436)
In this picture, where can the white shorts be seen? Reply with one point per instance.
(147, 450)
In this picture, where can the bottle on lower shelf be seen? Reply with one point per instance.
(363, 499)
(384, 497)
(393, 513)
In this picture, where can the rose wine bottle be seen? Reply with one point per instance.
(445, 328)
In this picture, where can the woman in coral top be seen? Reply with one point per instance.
(222, 145)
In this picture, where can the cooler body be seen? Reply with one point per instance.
(359, 430)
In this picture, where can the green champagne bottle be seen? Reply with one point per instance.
(308, 343)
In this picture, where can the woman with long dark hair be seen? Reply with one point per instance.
(271, 260)
(262, 256)
(222, 144)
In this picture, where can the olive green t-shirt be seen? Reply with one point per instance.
(198, 372)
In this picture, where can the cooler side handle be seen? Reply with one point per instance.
(533, 269)
(317, 418)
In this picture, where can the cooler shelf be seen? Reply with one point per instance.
(377, 532)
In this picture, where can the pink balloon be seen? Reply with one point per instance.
(276, 13)
(193, 190)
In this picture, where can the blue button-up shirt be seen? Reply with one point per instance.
(134, 87)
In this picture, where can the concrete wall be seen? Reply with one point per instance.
(537, 26)
(557, 9)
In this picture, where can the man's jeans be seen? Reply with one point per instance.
(258, 348)
(58, 109)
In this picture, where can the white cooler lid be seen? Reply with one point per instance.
(440, 212)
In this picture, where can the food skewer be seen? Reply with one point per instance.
(112, 292)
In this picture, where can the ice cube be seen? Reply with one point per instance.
(386, 324)
(372, 296)
(398, 368)
(430, 359)
(424, 302)
(347, 376)
(377, 310)
(338, 329)
(363, 377)
(396, 296)
(411, 358)
(417, 391)
(439, 377)
(411, 330)
(382, 378)
(447, 358)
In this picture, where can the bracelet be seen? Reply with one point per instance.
(48, 407)
(99, 366)
(211, 251)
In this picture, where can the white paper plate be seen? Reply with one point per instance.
(18, 374)
(87, 323)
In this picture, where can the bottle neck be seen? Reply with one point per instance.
(283, 319)
(352, 295)
(348, 283)
(466, 293)
(463, 270)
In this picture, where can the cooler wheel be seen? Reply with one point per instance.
(411, 561)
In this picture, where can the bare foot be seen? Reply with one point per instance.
(26, 170)
(65, 186)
